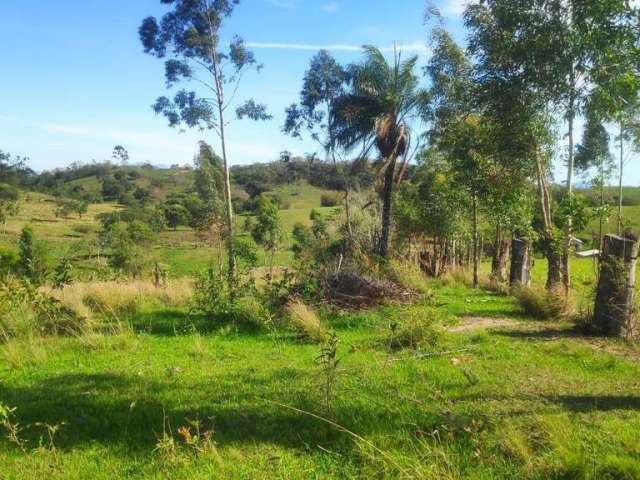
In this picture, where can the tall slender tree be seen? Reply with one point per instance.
(593, 152)
(323, 83)
(517, 107)
(380, 104)
(189, 38)
(561, 50)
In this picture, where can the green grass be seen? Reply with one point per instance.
(529, 401)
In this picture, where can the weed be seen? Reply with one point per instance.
(329, 361)
(12, 429)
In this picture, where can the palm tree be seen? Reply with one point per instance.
(378, 108)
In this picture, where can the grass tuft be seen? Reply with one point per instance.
(306, 322)
(543, 304)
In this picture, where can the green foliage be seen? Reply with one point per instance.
(62, 273)
(209, 185)
(318, 225)
(381, 97)
(66, 206)
(221, 304)
(329, 361)
(129, 244)
(302, 239)
(26, 311)
(9, 261)
(412, 329)
(267, 230)
(9, 198)
(573, 208)
(31, 257)
(176, 214)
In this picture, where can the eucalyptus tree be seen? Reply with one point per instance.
(380, 104)
(457, 128)
(561, 50)
(189, 38)
(593, 152)
(518, 111)
(120, 154)
(323, 83)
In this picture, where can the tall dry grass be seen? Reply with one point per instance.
(114, 299)
(304, 320)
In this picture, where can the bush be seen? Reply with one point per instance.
(542, 304)
(9, 261)
(82, 228)
(25, 311)
(213, 298)
(412, 329)
(330, 200)
(304, 320)
(408, 275)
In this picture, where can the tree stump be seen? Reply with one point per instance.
(615, 311)
(520, 263)
(500, 261)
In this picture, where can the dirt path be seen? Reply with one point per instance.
(483, 323)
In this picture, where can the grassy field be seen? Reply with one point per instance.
(493, 395)
(181, 250)
(488, 393)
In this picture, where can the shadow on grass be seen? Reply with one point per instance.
(596, 403)
(129, 412)
(172, 322)
(548, 333)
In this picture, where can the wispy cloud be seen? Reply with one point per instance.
(451, 8)
(283, 3)
(330, 7)
(140, 139)
(342, 47)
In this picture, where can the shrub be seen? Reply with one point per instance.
(330, 200)
(304, 320)
(407, 275)
(412, 329)
(9, 261)
(543, 304)
(82, 228)
(213, 298)
(27, 311)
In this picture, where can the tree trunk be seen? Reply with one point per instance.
(520, 274)
(500, 258)
(620, 179)
(555, 267)
(387, 198)
(476, 256)
(601, 229)
(615, 310)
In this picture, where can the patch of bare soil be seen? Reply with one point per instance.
(483, 323)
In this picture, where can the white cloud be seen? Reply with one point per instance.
(283, 3)
(453, 7)
(331, 7)
(127, 137)
(343, 47)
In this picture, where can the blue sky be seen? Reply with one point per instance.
(76, 82)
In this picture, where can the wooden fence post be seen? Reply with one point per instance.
(615, 310)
